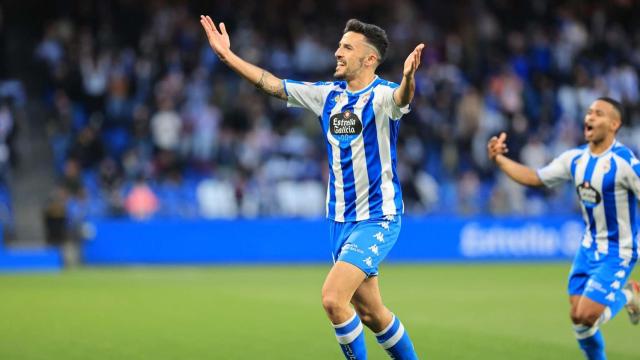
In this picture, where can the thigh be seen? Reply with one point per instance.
(370, 242)
(342, 281)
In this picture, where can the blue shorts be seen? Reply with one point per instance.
(598, 276)
(364, 243)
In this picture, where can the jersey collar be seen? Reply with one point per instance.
(367, 88)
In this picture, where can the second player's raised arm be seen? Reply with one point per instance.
(221, 45)
(404, 93)
(519, 173)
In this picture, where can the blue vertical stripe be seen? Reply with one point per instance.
(372, 153)
(329, 104)
(349, 183)
(394, 130)
(587, 178)
(610, 211)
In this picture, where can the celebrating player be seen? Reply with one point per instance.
(607, 179)
(359, 116)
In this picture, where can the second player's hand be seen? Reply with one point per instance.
(413, 61)
(497, 146)
(218, 40)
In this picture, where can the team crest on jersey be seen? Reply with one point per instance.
(589, 196)
(345, 126)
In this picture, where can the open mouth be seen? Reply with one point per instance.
(588, 128)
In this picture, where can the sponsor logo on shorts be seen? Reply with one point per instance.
(374, 249)
(352, 247)
(379, 236)
(620, 274)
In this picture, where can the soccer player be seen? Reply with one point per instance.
(606, 175)
(359, 116)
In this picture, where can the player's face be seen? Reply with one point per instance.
(600, 122)
(351, 55)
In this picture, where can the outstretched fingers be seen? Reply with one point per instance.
(206, 25)
(209, 24)
(417, 54)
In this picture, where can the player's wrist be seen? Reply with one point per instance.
(225, 56)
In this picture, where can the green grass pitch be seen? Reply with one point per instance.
(506, 311)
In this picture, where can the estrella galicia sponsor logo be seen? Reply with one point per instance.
(533, 240)
(345, 126)
(589, 196)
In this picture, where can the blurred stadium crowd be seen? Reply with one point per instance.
(144, 120)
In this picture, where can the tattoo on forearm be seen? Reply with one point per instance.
(271, 86)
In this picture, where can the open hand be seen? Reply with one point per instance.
(218, 40)
(413, 61)
(497, 146)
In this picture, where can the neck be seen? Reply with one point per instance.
(602, 146)
(360, 82)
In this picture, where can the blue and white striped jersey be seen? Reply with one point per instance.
(361, 132)
(608, 186)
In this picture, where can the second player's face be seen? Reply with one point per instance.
(350, 55)
(599, 122)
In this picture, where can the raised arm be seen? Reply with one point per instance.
(221, 45)
(404, 93)
(496, 148)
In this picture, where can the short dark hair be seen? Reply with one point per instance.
(375, 35)
(616, 105)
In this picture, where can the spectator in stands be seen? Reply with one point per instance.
(141, 202)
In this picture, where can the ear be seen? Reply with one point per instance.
(371, 59)
(616, 123)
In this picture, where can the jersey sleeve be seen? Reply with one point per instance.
(306, 95)
(558, 170)
(389, 104)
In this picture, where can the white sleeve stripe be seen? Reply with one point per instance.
(599, 215)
